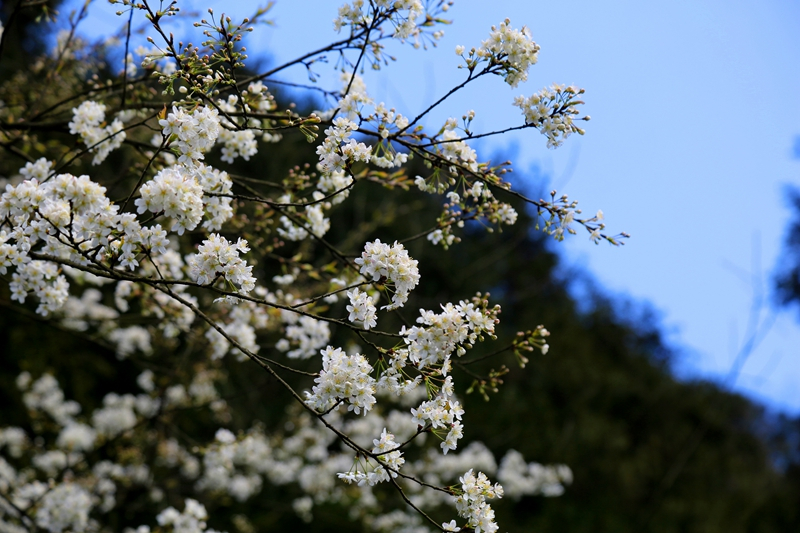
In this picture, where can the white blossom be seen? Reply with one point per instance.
(196, 132)
(471, 502)
(66, 507)
(86, 121)
(379, 261)
(362, 310)
(218, 257)
(514, 49)
(175, 192)
(343, 377)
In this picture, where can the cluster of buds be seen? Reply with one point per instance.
(527, 341)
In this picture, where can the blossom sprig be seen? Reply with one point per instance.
(176, 193)
(387, 122)
(339, 149)
(354, 96)
(362, 310)
(204, 69)
(460, 162)
(218, 257)
(489, 383)
(451, 147)
(239, 127)
(343, 377)
(528, 341)
(477, 203)
(555, 217)
(552, 111)
(442, 416)
(194, 132)
(456, 328)
(470, 499)
(380, 261)
(411, 20)
(88, 121)
(509, 52)
(223, 37)
(370, 471)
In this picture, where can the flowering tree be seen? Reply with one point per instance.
(190, 271)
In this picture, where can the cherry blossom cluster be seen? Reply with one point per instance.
(66, 507)
(64, 209)
(175, 192)
(217, 257)
(383, 263)
(240, 143)
(471, 502)
(362, 310)
(551, 111)
(117, 414)
(217, 202)
(42, 279)
(239, 138)
(87, 121)
(456, 328)
(352, 105)
(356, 96)
(259, 98)
(39, 169)
(338, 149)
(478, 202)
(195, 132)
(343, 378)
(514, 50)
(237, 142)
(335, 182)
(563, 212)
(385, 155)
(390, 459)
(452, 148)
(74, 220)
(443, 412)
(312, 218)
(44, 395)
(404, 15)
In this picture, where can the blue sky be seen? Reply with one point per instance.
(694, 111)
